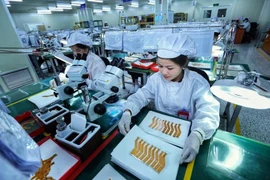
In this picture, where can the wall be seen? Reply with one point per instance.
(55, 21)
(245, 8)
(248, 8)
(112, 17)
(264, 19)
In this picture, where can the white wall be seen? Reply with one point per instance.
(55, 21)
(264, 19)
(248, 8)
(112, 17)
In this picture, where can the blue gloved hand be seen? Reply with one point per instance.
(191, 147)
(124, 123)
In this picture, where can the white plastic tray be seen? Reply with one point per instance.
(185, 126)
(121, 156)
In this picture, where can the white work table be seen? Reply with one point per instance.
(241, 96)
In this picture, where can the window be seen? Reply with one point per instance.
(207, 13)
(222, 13)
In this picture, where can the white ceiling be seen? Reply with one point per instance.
(29, 6)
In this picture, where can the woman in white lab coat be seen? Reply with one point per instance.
(80, 45)
(177, 91)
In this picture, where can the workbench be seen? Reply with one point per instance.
(249, 159)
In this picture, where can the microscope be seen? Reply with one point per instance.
(251, 79)
(77, 75)
(109, 85)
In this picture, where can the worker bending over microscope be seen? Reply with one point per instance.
(88, 71)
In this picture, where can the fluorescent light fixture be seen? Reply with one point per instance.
(15, 0)
(97, 11)
(78, 2)
(151, 2)
(8, 5)
(134, 4)
(98, 1)
(44, 11)
(106, 8)
(119, 7)
(56, 9)
(64, 6)
(75, 4)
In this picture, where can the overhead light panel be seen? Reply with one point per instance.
(134, 4)
(55, 9)
(15, 0)
(98, 1)
(77, 3)
(119, 7)
(97, 11)
(44, 11)
(8, 5)
(151, 2)
(106, 8)
(64, 6)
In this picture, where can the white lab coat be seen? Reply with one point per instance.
(191, 94)
(246, 25)
(95, 67)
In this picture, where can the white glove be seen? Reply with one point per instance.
(124, 123)
(191, 147)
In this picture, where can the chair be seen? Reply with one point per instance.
(105, 60)
(201, 72)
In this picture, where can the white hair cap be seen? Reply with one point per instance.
(49, 34)
(78, 38)
(174, 45)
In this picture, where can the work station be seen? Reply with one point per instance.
(134, 89)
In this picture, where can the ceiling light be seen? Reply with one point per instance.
(106, 8)
(15, 0)
(98, 1)
(64, 6)
(78, 2)
(8, 5)
(75, 4)
(44, 11)
(55, 9)
(120, 7)
(152, 2)
(134, 4)
(97, 11)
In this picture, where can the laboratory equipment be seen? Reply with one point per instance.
(110, 86)
(250, 79)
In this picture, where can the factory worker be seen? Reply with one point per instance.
(246, 25)
(177, 91)
(51, 41)
(80, 45)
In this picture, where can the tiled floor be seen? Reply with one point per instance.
(255, 124)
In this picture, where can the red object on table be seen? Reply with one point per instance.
(155, 68)
(142, 65)
(28, 120)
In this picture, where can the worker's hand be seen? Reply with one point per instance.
(191, 147)
(124, 123)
